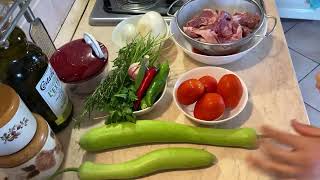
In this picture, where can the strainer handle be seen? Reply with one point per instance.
(268, 33)
(275, 22)
(170, 7)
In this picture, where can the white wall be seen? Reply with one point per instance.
(51, 12)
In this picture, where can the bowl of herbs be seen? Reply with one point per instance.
(135, 84)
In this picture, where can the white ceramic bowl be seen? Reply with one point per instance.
(214, 60)
(116, 33)
(145, 111)
(217, 73)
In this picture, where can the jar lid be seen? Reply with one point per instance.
(9, 104)
(31, 149)
(76, 61)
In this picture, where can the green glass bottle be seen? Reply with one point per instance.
(24, 67)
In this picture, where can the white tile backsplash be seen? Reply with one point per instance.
(51, 12)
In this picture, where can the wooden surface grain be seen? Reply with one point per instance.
(274, 99)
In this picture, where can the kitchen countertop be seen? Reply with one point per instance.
(274, 99)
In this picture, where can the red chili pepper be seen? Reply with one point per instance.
(148, 77)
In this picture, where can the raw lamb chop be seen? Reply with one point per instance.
(207, 16)
(247, 19)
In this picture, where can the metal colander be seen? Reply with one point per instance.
(194, 7)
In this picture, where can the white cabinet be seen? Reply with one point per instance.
(51, 12)
(297, 9)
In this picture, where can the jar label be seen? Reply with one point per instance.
(18, 132)
(51, 90)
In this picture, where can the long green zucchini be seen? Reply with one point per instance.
(155, 161)
(155, 131)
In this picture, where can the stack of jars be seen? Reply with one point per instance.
(29, 148)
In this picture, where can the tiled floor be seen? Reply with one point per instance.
(303, 38)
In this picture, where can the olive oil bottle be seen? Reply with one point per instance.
(24, 67)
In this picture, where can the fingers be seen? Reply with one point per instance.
(305, 130)
(282, 137)
(274, 168)
(279, 154)
(318, 80)
(318, 86)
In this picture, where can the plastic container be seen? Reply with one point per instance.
(79, 66)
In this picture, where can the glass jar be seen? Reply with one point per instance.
(40, 159)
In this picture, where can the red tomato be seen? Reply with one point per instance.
(230, 88)
(209, 107)
(210, 84)
(190, 91)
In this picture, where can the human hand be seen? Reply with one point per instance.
(318, 81)
(297, 157)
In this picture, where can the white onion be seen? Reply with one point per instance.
(152, 22)
(128, 33)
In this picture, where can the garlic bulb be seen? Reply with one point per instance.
(133, 70)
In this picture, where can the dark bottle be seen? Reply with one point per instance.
(24, 67)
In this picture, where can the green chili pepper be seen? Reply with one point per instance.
(157, 85)
(143, 104)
